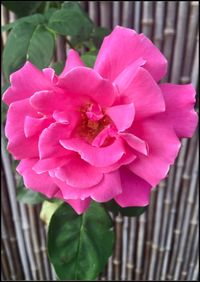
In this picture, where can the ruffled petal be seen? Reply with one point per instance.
(107, 189)
(37, 182)
(139, 88)
(163, 148)
(180, 100)
(48, 164)
(135, 191)
(122, 115)
(73, 60)
(18, 145)
(34, 126)
(49, 145)
(84, 84)
(24, 82)
(78, 173)
(124, 46)
(135, 143)
(98, 157)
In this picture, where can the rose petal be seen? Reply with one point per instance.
(78, 173)
(24, 82)
(90, 86)
(73, 60)
(163, 148)
(37, 182)
(180, 100)
(124, 46)
(135, 191)
(139, 88)
(122, 115)
(33, 126)
(135, 142)
(20, 146)
(98, 157)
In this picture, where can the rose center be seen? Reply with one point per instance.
(93, 120)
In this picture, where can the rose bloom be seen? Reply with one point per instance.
(105, 133)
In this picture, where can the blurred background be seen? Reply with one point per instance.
(161, 244)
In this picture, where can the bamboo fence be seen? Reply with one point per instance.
(161, 244)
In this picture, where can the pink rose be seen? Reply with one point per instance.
(111, 132)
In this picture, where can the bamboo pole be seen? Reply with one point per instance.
(188, 208)
(180, 41)
(124, 247)
(137, 16)
(159, 23)
(127, 13)
(34, 237)
(147, 18)
(156, 231)
(195, 69)
(27, 238)
(116, 13)
(105, 14)
(93, 11)
(4, 263)
(7, 249)
(169, 35)
(140, 246)
(7, 214)
(190, 42)
(15, 212)
(131, 249)
(43, 248)
(117, 252)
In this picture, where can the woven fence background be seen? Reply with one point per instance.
(162, 244)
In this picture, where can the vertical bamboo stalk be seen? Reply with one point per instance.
(159, 23)
(7, 214)
(190, 42)
(28, 243)
(169, 34)
(61, 48)
(180, 41)
(147, 18)
(195, 69)
(190, 202)
(7, 249)
(131, 249)
(15, 213)
(137, 16)
(105, 9)
(124, 248)
(36, 248)
(156, 231)
(43, 248)
(150, 224)
(4, 264)
(116, 13)
(140, 246)
(127, 13)
(93, 11)
(117, 253)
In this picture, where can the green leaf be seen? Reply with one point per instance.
(98, 35)
(34, 19)
(48, 209)
(30, 42)
(130, 211)
(89, 59)
(58, 67)
(80, 245)
(22, 8)
(71, 20)
(30, 197)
